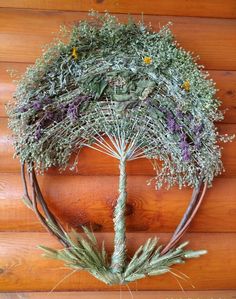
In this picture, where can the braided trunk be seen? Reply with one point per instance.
(119, 255)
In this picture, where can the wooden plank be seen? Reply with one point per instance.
(95, 163)
(202, 8)
(23, 32)
(23, 268)
(225, 82)
(89, 200)
(226, 294)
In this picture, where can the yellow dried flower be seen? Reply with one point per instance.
(147, 60)
(74, 53)
(186, 85)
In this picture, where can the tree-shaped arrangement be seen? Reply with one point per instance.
(129, 93)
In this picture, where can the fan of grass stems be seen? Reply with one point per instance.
(124, 137)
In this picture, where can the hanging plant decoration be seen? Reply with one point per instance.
(130, 93)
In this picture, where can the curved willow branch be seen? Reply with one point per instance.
(196, 200)
(48, 221)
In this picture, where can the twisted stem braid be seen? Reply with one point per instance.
(119, 254)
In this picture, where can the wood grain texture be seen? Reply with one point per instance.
(23, 267)
(95, 163)
(202, 8)
(226, 294)
(23, 32)
(206, 27)
(225, 82)
(88, 200)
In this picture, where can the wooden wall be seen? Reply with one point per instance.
(206, 27)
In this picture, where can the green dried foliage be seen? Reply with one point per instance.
(100, 71)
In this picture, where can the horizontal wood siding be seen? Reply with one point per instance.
(90, 200)
(24, 32)
(199, 8)
(87, 196)
(124, 295)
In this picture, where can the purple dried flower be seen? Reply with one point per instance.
(148, 100)
(72, 111)
(23, 109)
(171, 123)
(75, 106)
(186, 155)
(178, 127)
(184, 147)
(49, 115)
(183, 144)
(197, 144)
(198, 129)
(179, 114)
(183, 136)
(37, 105)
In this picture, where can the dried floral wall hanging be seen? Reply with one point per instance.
(130, 93)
